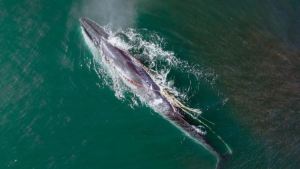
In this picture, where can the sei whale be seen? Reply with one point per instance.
(138, 79)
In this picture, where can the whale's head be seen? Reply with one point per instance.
(93, 31)
(115, 59)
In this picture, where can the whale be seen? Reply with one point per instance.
(138, 79)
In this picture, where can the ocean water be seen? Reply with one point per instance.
(236, 61)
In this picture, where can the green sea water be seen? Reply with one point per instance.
(56, 113)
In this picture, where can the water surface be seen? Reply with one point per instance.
(55, 111)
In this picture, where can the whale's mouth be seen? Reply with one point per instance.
(93, 31)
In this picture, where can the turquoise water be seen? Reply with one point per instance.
(56, 112)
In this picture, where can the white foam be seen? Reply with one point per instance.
(157, 102)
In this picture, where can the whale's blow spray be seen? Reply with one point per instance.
(118, 13)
